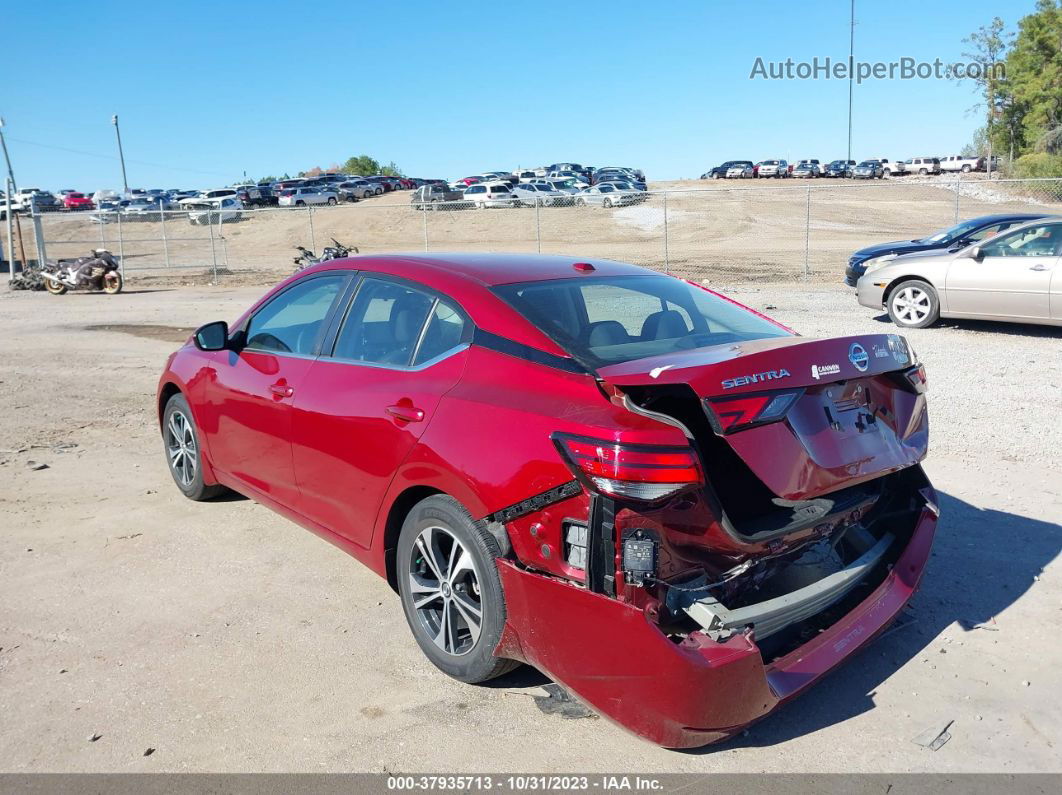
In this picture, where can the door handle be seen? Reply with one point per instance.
(1037, 267)
(406, 413)
(281, 390)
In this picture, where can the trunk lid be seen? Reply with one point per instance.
(852, 415)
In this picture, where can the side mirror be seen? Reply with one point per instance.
(212, 337)
(977, 254)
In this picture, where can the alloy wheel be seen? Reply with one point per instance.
(912, 305)
(180, 444)
(445, 591)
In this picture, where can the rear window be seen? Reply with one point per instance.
(611, 319)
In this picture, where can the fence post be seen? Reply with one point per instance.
(165, 243)
(121, 242)
(424, 222)
(538, 225)
(213, 251)
(807, 236)
(958, 179)
(10, 232)
(221, 237)
(38, 240)
(667, 259)
(313, 240)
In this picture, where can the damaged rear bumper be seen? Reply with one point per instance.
(697, 691)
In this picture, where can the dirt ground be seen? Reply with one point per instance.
(227, 639)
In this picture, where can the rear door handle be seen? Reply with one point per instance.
(281, 390)
(1037, 267)
(406, 413)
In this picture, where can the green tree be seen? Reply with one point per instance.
(987, 47)
(362, 165)
(1034, 80)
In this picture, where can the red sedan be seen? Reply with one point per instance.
(680, 510)
(77, 201)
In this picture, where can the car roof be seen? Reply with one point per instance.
(988, 219)
(494, 268)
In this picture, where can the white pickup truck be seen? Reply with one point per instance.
(960, 163)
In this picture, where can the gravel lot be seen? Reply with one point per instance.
(227, 639)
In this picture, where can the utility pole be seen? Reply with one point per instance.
(851, 69)
(7, 159)
(121, 156)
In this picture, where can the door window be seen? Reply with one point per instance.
(1033, 241)
(292, 322)
(384, 324)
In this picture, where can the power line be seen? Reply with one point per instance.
(112, 157)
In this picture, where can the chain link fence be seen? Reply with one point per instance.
(728, 231)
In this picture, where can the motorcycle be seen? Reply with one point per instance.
(307, 258)
(97, 271)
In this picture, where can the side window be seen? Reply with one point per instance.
(446, 327)
(383, 324)
(986, 233)
(291, 322)
(1034, 241)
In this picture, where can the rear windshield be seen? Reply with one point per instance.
(611, 319)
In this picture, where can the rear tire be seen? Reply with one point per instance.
(606, 203)
(966, 168)
(331, 202)
(913, 304)
(54, 287)
(184, 452)
(448, 581)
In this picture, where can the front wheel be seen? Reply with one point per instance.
(331, 201)
(923, 171)
(112, 283)
(913, 304)
(183, 452)
(451, 591)
(606, 203)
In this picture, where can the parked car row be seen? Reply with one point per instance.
(872, 168)
(558, 185)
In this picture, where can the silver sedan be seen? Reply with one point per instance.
(1015, 276)
(607, 196)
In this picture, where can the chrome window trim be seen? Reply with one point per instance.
(404, 368)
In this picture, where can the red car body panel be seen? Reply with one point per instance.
(480, 425)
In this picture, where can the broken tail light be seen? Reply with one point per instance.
(639, 472)
(730, 414)
(916, 377)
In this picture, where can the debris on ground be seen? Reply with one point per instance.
(28, 279)
(969, 624)
(94, 737)
(559, 702)
(149, 752)
(36, 466)
(934, 738)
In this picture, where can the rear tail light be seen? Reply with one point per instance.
(638, 472)
(916, 377)
(731, 414)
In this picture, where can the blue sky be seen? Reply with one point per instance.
(207, 91)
